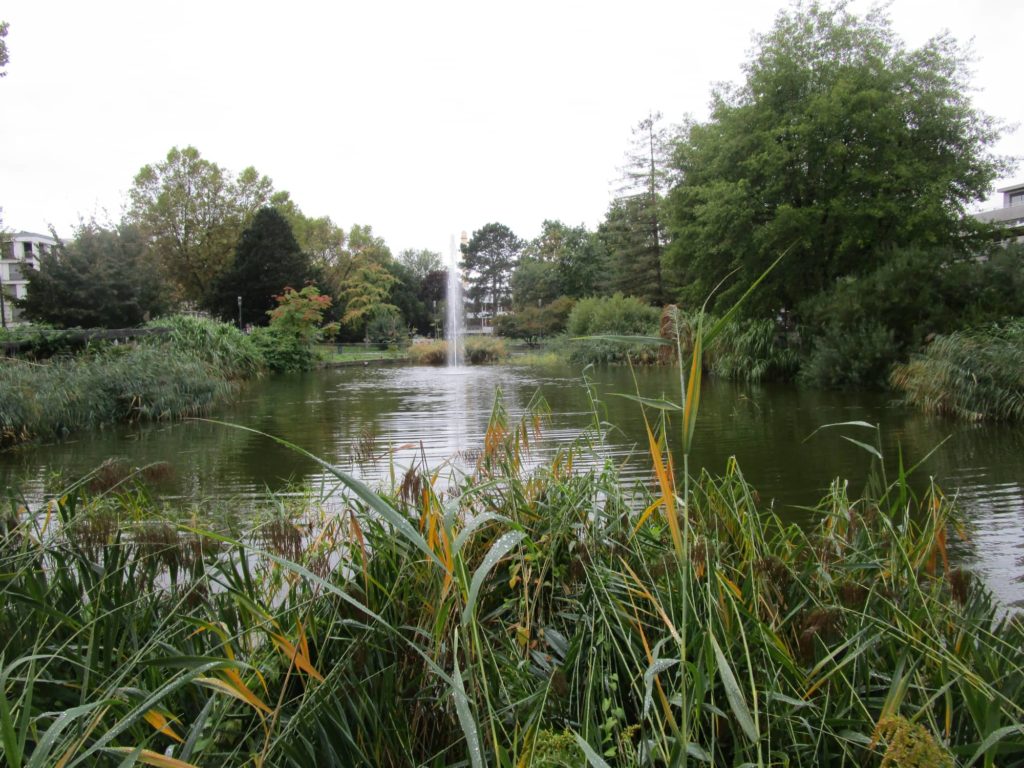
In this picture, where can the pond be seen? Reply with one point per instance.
(374, 421)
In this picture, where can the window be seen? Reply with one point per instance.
(28, 250)
(1017, 198)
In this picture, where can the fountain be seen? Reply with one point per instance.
(453, 313)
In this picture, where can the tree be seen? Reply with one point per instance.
(488, 260)
(267, 260)
(194, 211)
(576, 261)
(840, 146)
(3, 48)
(420, 263)
(104, 278)
(633, 257)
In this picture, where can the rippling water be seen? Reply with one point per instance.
(375, 421)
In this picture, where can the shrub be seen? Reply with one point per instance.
(283, 352)
(612, 315)
(745, 350)
(484, 349)
(859, 357)
(429, 353)
(975, 374)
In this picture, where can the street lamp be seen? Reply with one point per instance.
(239, 313)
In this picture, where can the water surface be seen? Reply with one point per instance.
(374, 421)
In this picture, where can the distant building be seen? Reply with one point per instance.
(22, 251)
(1011, 216)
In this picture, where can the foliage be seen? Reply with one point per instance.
(973, 374)
(267, 262)
(221, 345)
(486, 624)
(429, 353)
(137, 383)
(301, 314)
(746, 350)
(853, 357)
(194, 211)
(560, 261)
(634, 232)
(840, 145)
(477, 350)
(283, 352)
(4, 56)
(104, 278)
(488, 261)
(386, 328)
(484, 349)
(612, 315)
(196, 365)
(288, 344)
(532, 323)
(420, 262)
(366, 293)
(634, 257)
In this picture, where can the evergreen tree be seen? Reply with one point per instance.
(267, 260)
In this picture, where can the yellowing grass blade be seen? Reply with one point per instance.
(149, 757)
(242, 692)
(161, 724)
(296, 655)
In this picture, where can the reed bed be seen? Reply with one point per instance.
(184, 373)
(518, 618)
(974, 375)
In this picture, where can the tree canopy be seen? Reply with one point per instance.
(104, 278)
(267, 260)
(194, 211)
(488, 260)
(840, 145)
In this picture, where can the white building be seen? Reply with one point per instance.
(1011, 215)
(21, 252)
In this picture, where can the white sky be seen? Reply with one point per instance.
(421, 119)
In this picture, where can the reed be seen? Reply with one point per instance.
(521, 618)
(976, 374)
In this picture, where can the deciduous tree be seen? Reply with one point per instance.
(840, 145)
(194, 211)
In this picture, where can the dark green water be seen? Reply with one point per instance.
(376, 420)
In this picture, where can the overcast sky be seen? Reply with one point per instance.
(421, 119)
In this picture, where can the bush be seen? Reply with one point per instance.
(915, 294)
(484, 349)
(532, 323)
(283, 352)
(745, 350)
(855, 358)
(971, 374)
(613, 315)
(429, 353)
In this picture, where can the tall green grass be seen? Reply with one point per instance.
(520, 617)
(975, 374)
(182, 373)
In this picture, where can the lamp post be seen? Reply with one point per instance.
(239, 313)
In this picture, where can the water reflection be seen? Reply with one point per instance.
(377, 421)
